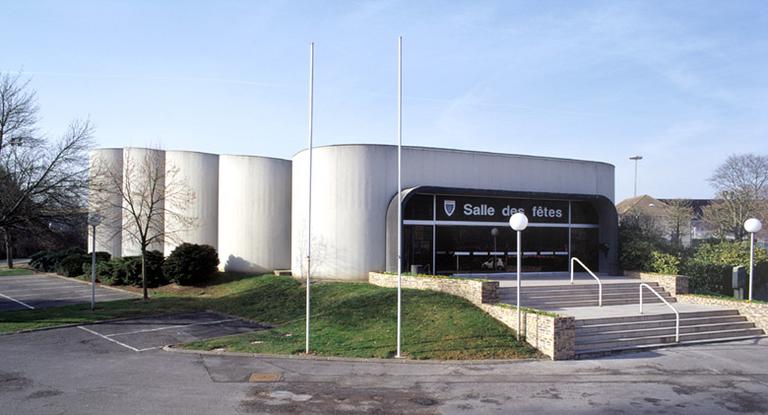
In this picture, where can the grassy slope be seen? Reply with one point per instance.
(348, 319)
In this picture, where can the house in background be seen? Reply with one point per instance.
(673, 218)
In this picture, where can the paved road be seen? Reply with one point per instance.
(22, 292)
(73, 371)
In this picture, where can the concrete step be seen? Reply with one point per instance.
(655, 317)
(592, 353)
(582, 303)
(579, 287)
(581, 295)
(597, 328)
(623, 343)
(583, 339)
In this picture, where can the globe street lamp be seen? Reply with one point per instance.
(94, 220)
(518, 222)
(752, 226)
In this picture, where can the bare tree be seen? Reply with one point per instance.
(40, 180)
(151, 196)
(741, 185)
(679, 213)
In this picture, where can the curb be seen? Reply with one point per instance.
(404, 361)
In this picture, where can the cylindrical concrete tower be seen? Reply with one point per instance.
(254, 213)
(352, 187)
(107, 163)
(198, 173)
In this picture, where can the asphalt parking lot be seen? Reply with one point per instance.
(149, 333)
(26, 292)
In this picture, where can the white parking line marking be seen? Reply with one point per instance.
(17, 301)
(107, 338)
(170, 327)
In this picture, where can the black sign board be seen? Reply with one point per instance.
(492, 209)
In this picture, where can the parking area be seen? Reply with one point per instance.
(149, 333)
(27, 292)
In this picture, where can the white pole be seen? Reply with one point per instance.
(309, 202)
(93, 271)
(519, 264)
(751, 261)
(399, 190)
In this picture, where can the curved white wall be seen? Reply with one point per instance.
(353, 185)
(108, 233)
(254, 213)
(198, 173)
(139, 164)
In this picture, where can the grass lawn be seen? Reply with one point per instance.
(348, 319)
(5, 272)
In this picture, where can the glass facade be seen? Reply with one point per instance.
(447, 234)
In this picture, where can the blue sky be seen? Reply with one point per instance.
(682, 83)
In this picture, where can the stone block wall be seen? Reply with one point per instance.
(476, 291)
(552, 335)
(673, 284)
(754, 312)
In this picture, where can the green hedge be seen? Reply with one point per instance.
(707, 278)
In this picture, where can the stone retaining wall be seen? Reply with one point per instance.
(554, 336)
(754, 312)
(476, 291)
(673, 284)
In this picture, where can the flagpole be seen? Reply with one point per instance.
(399, 190)
(309, 203)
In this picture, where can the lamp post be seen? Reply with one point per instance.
(94, 220)
(752, 226)
(636, 159)
(518, 222)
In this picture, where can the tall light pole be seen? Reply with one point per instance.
(94, 220)
(752, 226)
(636, 159)
(399, 190)
(518, 222)
(309, 196)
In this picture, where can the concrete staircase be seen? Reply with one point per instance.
(552, 297)
(618, 327)
(601, 336)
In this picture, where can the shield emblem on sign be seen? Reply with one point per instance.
(449, 206)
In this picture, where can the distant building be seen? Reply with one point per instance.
(661, 212)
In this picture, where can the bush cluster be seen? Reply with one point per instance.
(191, 263)
(187, 264)
(709, 264)
(127, 270)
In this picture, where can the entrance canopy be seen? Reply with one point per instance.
(451, 230)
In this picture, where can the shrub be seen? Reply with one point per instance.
(708, 278)
(48, 261)
(664, 263)
(191, 263)
(728, 253)
(130, 270)
(71, 265)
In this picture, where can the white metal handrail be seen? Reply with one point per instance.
(677, 315)
(599, 283)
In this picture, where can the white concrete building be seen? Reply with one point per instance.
(456, 205)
